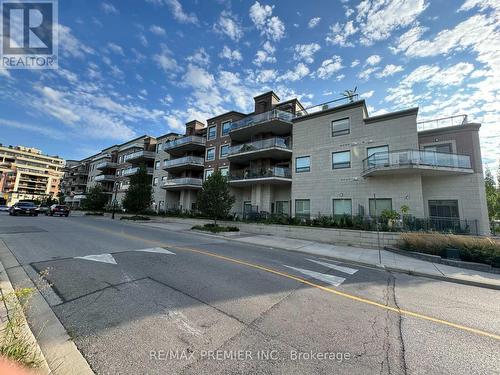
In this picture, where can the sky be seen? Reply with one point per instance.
(133, 67)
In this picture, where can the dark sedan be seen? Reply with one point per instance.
(58, 209)
(23, 208)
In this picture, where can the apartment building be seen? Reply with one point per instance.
(74, 181)
(162, 199)
(27, 174)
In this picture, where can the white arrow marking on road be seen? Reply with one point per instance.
(330, 279)
(104, 258)
(350, 271)
(159, 250)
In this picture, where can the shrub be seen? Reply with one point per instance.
(216, 228)
(472, 249)
(135, 217)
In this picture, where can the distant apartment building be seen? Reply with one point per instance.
(74, 181)
(27, 174)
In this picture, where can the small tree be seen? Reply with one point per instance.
(215, 199)
(492, 196)
(95, 199)
(139, 194)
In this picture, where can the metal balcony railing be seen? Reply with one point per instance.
(256, 173)
(260, 118)
(405, 158)
(280, 142)
(442, 122)
(185, 140)
(190, 160)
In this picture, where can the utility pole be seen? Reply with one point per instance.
(378, 229)
(115, 191)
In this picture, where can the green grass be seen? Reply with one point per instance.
(215, 228)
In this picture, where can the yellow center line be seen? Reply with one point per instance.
(307, 282)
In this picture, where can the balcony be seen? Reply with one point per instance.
(139, 157)
(185, 144)
(132, 145)
(182, 183)
(442, 122)
(102, 156)
(104, 178)
(106, 165)
(277, 148)
(427, 163)
(132, 171)
(275, 122)
(271, 175)
(185, 163)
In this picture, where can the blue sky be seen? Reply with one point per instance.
(132, 67)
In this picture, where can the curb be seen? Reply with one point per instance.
(60, 352)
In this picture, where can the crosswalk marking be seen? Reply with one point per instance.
(159, 250)
(104, 258)
(330, 279)
(350, 271)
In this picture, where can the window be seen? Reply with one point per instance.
(224, 150)
(303, 164)
(282, 208)
(226, 127)
(163, 179)
(208, 173)
(158, 147)
(303, 208)
(224, 171)
(341, 127)
(341, 160)
(377, 156)
(165, 162)
(155, 181)
(210, 154)
(444, 147)
(444, 208)
(157, 164)
(342, 207)
(117, 172)
(212, 132)
(381, 205)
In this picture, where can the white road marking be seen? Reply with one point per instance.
(159, 250)
(350, 271)
(104, 258)
(330, 279)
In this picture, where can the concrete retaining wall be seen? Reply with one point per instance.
(356, 238)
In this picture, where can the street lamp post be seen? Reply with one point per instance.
(115, 191)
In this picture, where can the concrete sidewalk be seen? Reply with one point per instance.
(362, 256)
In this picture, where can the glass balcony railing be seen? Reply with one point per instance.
(280, 142)
(139, 155)
(405, 158)
(187, 160)
(104, 177)
(132, 171)
(260, 118)
(328, 105)
(185, 181)
(442, 122)
(256, 173)
(195, 139)
(105, 165)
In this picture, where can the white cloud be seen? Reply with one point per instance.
(179, 13)
(300, 71)
(5, 73)
(373, 60)
(113, 47)
(313, 22)
(329, 67)
(389, 70)
(378, 19)
(228, 24)
(266, 75)
(200, 57)
(265, 55)
(71, 46)
(231, 55)
(306, 52)
(109, 8)
(367, 94)
(354, 63)
(166, 62)
(408, 38)
(198, 78)
(43, 130)
(157, 30)
(269, 26)
(339, 34)
(367, 72)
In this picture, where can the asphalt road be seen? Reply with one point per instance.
(156, 301)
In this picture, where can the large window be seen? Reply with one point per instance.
(224, 171)
(443, 147)
(444, 208)
(302, 164)
(210, 154)
(377, 206)
(377, 155)
(212, 132)
(226, 127)
(303, 208)
(208, 173)
(282, 208)
(224, 150)
(341, 160)
(341, 127)
(342, 207)
(155, 181)
(157, 164)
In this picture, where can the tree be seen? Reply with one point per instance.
(95, 199)
(215, 199)
(492, 196)
(139, 194)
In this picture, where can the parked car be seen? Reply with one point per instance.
(4, 208)
(23, 208)
(58, 209)
(42, 209)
